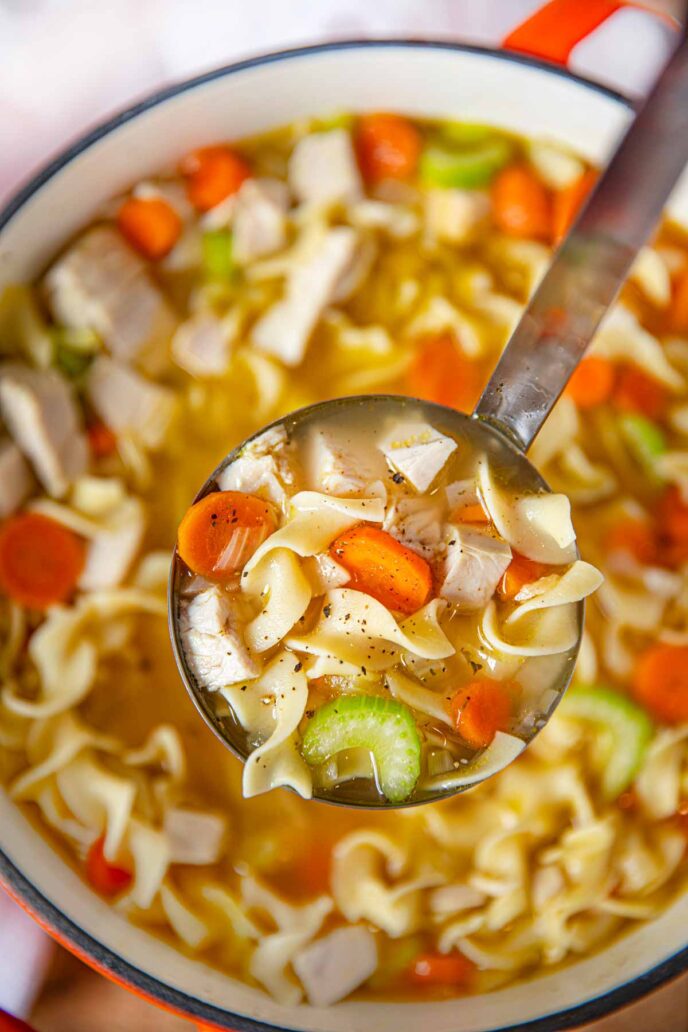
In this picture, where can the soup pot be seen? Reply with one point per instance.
(424, 79)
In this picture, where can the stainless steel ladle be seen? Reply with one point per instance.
(583, 280)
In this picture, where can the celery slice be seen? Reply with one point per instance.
(645, 440)
(218, 262)
(466, 169)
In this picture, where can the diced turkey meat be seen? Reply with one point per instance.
(323, 168)
(41, 414)
(262, 469)
(202, 345)
(260, 219)
(418, 452)
(473, 566)
(101, 284)
(16, 480)
(454, 215)
(194, 836)
(332, 967)
(128, 403)
(213, 644)
(338, 464)
(417, 523)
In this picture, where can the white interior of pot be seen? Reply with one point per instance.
(444, 83)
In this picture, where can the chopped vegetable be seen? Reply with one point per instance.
(635, 537)
(442, 969)
(101, 440)
(150, 224)
(220, 533)
(679, 303)
(567, 203)
(212, 175)
(519, 572)
(463, 133)
(384, 568)
(471, 514)
(660, 682)
(387, 146)
(106, 878)
(440, 372)
(481, 709)
(218, 261)
(521, 204)
(466, 169)
(645, 440)
(622, 732)
(40, 560)
(72, 363)
(672, 517)
(635, 391)
(383, 726)
(592, 382)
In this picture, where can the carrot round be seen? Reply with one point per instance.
(150, 224)
(481, 709)
(521, 204)
(636, 537)
(212, 175)
(106, 878)
(660, 682)
(592, 382)
(387, 146)
(384, 568)
(101, 440)
(635, 391)
(440, 372)
(679, 304)
(567, 203)
(220, 533)
(519, 572)
(40, 560)
(441, 969)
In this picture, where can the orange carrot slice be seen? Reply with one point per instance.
(384, 568)
(220, 533)
(40, 560)
(150, 224)
(106, 878)
(636, 537)
(660, 682)
(592, 382)
(441, 969)
(567, 203)
(519, 572)
(440, 372)
(212, 175)
(101, 440)
(521, 204)
(679, 304)
(481, 709)
(635, 391)
(387, 146)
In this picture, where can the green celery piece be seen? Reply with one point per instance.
(217, 254)
(625, 724)
(464, 133)
(335, 120)
(72, 363)
(467, 169)
(645, 440)
(383, 726)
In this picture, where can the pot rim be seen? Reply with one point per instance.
(19, 886)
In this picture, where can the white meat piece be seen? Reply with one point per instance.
(323, 168)
(262, 469)
(473, 566)
(111, 552)
(285, 329)
(454, 215)
(213, 644)
(16, 480)
(418, 452)
(129, 404)
(194, 836)
(202, 345)
(260, 219)
(417, 523)
(41, 414)
(101, 284)
(324, 573)
(342, 464)
(461, 493)
(332, 967)
(356, 272)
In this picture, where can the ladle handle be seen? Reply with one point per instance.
(590, 267)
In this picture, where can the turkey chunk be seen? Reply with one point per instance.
(202, 345)
(473, 566)
(332, 967)
(128, 403)
(194, 836)
(454, 215)
(340, 464)
(41, 414)
(418, 452)
(101, 284)
(260, 219)
(323, 168)
(417, 523)
(16, 480)
(262, 468)
(213, 645)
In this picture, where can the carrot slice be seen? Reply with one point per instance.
(636, 537)
(635, 391)
(481, 709)
(150, 224)
(106, 878)
(567, 203)
(519, 572)
(220, 533)
(440, 372)
(660, 682)
(387, 147)
(101, 440)
(679, 304)
(40, 560)
(384, 568)
(212, 175)
(521, 203)
(471, 514)
(441, 969)
(672, 516)
(592, 382)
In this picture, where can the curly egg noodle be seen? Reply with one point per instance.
(576, 840)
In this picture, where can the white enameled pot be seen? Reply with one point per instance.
(428, 79)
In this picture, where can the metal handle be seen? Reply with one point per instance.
(590, 267)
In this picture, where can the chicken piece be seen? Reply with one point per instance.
(260, 219)
(418, 452)
(417, 523)
(16, 480)
(324, 573)
(213, 644)
(285, 329)
(194, 836)
(201, 346)
(473, 566)
(454, 215)
(262, 469)
(341, 464)
(101, 284)
(42, 416)
(111, 552)
(461, 493)
(129, 404)
(332, 967)
(323, 168)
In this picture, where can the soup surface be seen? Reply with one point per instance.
(335, 257)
